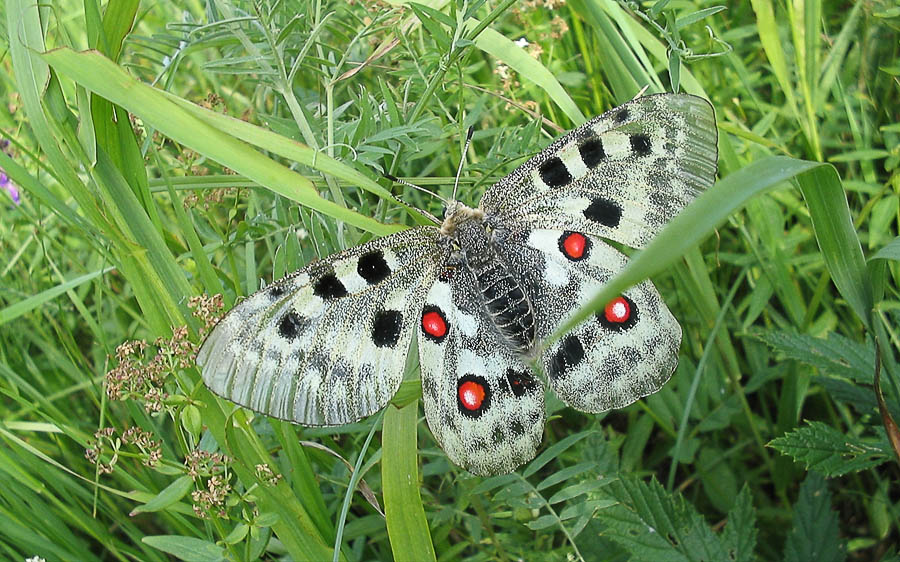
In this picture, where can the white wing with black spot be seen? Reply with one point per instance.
(621, 175)
(327, 344)
(624, 352)
(483, 403)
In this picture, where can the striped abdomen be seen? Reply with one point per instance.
(506, 303)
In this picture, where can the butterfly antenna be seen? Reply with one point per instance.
(395, 179)
(462, 159)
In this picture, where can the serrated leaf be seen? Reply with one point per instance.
(848, 392)
(739, 535)
(834, 355)
(815, 535)
(825, 449)
(654, 525)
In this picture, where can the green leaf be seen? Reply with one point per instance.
(816, 534)
(188, 549)
(837, 237)
(682, 22)
(505, 50)
(168, 496)
(542, 522)
(25, 305)
(403, 510)
(576, 490)
(566, 473)
(739, 534)
(553, 451)
(433, 21)
(654, 525)
(192, 126)
(891, 251)
(834, 355)
(824, 449)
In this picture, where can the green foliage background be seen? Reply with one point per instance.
(166, 150)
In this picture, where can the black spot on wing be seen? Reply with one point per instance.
(275, 290)
(554, 172)
(290, 325)
(592, 152)
(329, 287)
(386, 328)
(604, 211)
(372, 267)
(569, 355)
(621, 116)
(519, 382)
(640, 144)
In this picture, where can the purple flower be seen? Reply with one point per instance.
(8, 186)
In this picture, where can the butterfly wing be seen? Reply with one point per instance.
(482, 402)
(621, 176)
(327, 344)
(625, 352)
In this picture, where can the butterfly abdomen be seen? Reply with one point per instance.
(508, 306)
(504, 299)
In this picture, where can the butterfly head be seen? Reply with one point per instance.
(455, 214)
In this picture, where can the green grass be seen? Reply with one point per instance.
(201, 149)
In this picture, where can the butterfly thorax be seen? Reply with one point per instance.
(474, 242)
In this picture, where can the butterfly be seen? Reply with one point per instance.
(327, 344)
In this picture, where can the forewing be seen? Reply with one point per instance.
(621, 176)
(483, 403)
(327, 344)
(620, 354)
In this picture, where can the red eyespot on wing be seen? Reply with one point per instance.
(574, 245)
(434, 324)
(617, 311)
(471, 395)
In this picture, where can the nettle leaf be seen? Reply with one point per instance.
(815, 535)
(824, 449)
(739, 535)
(834, 355)
(653, 524)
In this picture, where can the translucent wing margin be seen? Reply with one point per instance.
(327, 344)
(483, 404)
(621, 176)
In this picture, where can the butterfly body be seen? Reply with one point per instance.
(482, 293)
(476, 246)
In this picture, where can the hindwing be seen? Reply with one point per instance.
(622, 353)
(621, 175)
(327, 344)
(483, 403)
